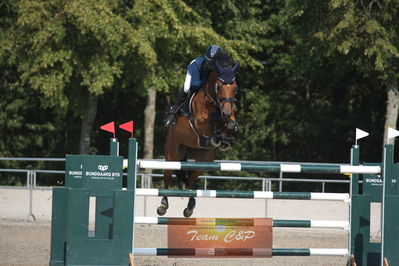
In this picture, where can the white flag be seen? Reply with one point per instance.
(392, 133)
(361, 134)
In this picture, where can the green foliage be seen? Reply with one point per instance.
(255, 114)
(365, 30)
(312, 71)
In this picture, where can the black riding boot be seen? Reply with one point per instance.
(181, 97)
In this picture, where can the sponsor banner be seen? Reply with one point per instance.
(222, 237)
(101, 174)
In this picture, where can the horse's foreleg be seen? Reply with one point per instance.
(227, 132)
(225, 141)
(216, 139)
(164, 202)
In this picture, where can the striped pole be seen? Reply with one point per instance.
(240, 252)
(312, 224)
(243, 222)
(265, 167)
(243, 194)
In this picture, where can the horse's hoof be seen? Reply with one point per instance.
(225, 147)
(161, 210)
(187, 212)
(215, 143)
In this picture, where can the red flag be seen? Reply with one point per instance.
(110, 127)
(128, 126)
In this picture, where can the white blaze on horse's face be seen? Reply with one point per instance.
(226, 98)
(226, 89)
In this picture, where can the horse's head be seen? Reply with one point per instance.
(226, 89)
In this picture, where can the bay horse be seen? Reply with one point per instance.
(208, 126)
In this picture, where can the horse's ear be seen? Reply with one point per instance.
(218, 67)
(236, 67)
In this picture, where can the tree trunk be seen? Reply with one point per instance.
(87, 125)
(392, 110)
(149, 124)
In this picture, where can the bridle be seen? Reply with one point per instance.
(220, 101)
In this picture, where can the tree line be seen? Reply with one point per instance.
(312, 71)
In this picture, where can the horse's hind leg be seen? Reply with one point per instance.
(164, 202)
(161, 210)
(181, 178)
(199, 156)
(191, 184)
(190, 207)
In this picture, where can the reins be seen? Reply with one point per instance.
(215, 103)
(218, 100)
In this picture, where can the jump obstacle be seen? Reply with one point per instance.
(275, 223)
(101, 177)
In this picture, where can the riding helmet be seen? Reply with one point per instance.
(211, 51)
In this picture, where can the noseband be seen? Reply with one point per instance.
(224, 99)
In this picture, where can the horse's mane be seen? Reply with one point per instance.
(223, 58)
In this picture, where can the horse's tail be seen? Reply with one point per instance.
(181, 178)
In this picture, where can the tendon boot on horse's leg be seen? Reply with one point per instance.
(164, 206)
(190, 207)
(180, 99)
(225, 144)
(216, 139)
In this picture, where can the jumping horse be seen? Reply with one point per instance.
(209, 125)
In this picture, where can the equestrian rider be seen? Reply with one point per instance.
(197, 74)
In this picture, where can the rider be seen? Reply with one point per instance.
(197, 72)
